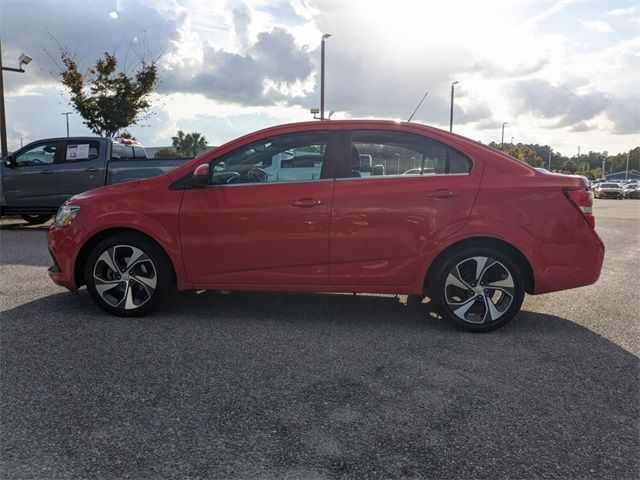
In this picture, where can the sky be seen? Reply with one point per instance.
(560, 73)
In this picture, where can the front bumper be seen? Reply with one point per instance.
(63, 249)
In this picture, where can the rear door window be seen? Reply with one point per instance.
(81, 151)
(385, 153)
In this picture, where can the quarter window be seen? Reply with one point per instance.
(283, 158)
(375, 153)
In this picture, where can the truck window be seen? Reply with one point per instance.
(42, 154)
(81, 151)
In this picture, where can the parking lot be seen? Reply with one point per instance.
(266, 385)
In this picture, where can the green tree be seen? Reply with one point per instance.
(524, 153)
(166, 153)
(189, 144)
(107, 100)
(198, 143)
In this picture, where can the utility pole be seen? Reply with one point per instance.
(451, 111)
(502, 141)
(626, 170)
(66, 114)
(324, 37)
(603, 160)
(549, 158)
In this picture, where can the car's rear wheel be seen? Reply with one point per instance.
(36, 219)
(128, 275)
(479, 289)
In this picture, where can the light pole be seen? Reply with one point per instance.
(324, 37)
(22, 60)
(603, 160)
(66, 114)
(502, 141)
(626, 170)
(451, 111)
(549, 158)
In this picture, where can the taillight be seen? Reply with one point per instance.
(582, 199)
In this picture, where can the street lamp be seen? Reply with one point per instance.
(324, 37)
(502, 141)
(23, 59)
(451, 111)
(66, 114)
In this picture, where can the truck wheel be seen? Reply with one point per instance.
(478, 289)
(36, 219)
(128, 275)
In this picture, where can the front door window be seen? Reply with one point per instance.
(43, 154)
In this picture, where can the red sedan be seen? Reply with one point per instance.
(336, 206)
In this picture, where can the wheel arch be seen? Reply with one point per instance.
(521, 260)
(83, 254)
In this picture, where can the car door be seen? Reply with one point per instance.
(247, 228)
(383, 224)
(32, 180)
(81, 167)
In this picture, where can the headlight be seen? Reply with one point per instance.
(65, 215)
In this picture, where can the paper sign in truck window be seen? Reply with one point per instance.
(78, 152)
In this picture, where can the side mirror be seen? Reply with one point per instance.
(9, 161)
(201, 177)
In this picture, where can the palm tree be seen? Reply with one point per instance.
(181, 143)
(190, 143)
(198, 143)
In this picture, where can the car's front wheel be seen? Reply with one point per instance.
(36, 219)
(128, 275)
(479, 289)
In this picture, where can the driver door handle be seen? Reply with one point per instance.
(442, 193)
(307, 202)
(46, 172)
(91, 169)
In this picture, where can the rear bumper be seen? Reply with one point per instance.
(571, 265)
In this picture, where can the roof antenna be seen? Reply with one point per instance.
(414, 112)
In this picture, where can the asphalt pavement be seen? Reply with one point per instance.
(319, 386)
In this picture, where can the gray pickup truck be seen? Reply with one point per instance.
(38, 178)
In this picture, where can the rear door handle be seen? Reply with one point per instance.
(91, 169)
(307, 202)
(46, 172)
(443, 193)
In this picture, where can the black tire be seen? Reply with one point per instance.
(36, 219)
(138, 269)
(469, 307)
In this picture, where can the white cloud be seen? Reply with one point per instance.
(622, 11)
(596, 25)
(540, 17)
(229, 68)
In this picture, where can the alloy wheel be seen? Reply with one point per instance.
(479, 290)
(125, 277)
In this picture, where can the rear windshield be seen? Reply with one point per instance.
(609, 185)
(121, 151)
